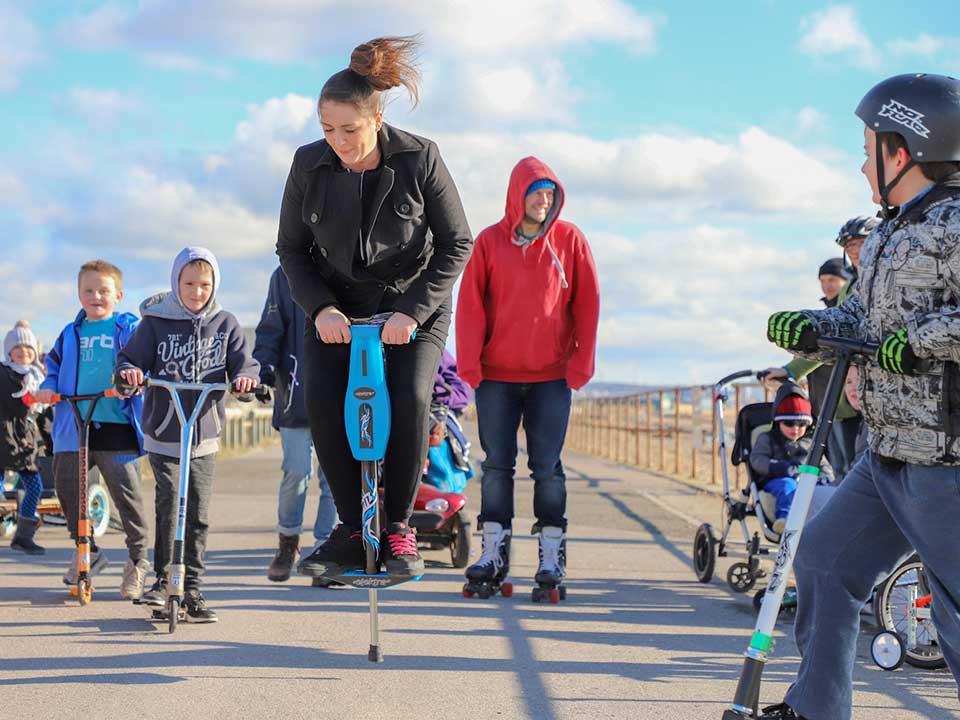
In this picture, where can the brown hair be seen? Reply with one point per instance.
(933, 171)
(375, 66)
(104, 268)
(201, 264)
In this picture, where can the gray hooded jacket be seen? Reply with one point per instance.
(910, 277)
(174, 344)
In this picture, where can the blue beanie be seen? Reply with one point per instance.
(540, 184)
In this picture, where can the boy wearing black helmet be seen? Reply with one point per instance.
(905, 493)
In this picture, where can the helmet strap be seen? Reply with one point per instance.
(886, 209)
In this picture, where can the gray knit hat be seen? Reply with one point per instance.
(20, 335)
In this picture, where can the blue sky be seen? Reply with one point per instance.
(709, 150)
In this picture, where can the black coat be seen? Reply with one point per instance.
(19, 435)
(417, 245)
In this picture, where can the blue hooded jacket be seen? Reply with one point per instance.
(279, 350)
(63, 363)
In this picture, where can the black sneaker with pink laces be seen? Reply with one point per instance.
(399, 552)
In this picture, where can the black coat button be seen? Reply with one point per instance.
(323, 251)
(314, 217)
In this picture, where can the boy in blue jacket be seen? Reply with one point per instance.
(81, 362)
(185, 336)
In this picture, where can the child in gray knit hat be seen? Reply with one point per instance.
(19, 434)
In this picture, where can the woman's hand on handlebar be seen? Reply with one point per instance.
(332, 325)
(772, 375)
(398, 329)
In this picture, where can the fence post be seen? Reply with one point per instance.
(661, 432)
(694, 427)
(649, 455)
(676, 432)
(636, 427)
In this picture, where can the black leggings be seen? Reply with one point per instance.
(411, 372)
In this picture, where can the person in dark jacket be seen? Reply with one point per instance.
(279, 350)
(185, 336)
(19, 435)
(371, 222)
(777, 455)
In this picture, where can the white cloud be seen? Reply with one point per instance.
(100, 107)
(923, 44)
(837, 31)
(294, 29)
(809, 121)
(20, 45)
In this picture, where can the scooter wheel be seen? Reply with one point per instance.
(84, 591)
(506, 589)
(467, 592)
(173, 612)
(887, 650)
(554, 595)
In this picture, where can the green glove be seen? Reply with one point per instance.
(895, 354)
(792, 331)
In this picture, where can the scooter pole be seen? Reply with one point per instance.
(371, 542)
(747, 698)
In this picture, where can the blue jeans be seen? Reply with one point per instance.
(545, 410)
(297, 470)
(874, 521)
(783, 489)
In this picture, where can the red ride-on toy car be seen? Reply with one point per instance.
(441, 520)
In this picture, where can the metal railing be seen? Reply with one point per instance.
(246, 429)
(672, 431)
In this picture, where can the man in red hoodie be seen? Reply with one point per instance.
(526, 328)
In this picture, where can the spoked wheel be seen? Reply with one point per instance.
(740, 578)
(84, 591)
(887, 650)
(704, 553)
(173, 613)
(903, 601)
(460, 543)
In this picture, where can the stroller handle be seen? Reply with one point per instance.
(736, 376)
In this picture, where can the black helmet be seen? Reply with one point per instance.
(856, 227)
(925, 110)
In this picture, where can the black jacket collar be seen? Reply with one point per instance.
(390, 139)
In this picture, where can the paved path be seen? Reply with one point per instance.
(638, 637)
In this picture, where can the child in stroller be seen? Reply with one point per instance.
(779, 452)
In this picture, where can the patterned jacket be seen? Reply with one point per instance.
(910, 277)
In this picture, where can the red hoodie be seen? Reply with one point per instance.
(516, 322)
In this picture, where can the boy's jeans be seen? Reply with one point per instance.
(166, 471)
(297, 470)
(877, 517)
(545, 410)
(783, 489)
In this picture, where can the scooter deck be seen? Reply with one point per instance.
(378, 581)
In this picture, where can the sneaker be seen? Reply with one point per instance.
(340, 552)
(780, 711)
(156, 596)
(98, 562)
(399, 551)
(134, 574)
(779, 525)
(196, 608)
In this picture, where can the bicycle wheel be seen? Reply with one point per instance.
(897, 611)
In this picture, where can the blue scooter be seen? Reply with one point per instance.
(366, 414)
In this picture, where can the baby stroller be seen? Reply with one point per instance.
(752, 420)
(439, 511)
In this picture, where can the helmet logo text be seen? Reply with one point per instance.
(906, 116)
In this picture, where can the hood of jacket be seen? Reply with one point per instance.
(787, 388)
(167, 304)
(525, 173)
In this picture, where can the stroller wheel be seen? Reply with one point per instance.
(704, 553)
(739, 577)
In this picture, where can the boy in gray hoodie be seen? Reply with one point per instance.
(185, 336)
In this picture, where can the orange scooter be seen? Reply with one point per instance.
(83, 590)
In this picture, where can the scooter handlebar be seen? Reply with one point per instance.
(846, 345)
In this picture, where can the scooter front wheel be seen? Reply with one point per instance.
(173, 614)
(84, 591)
